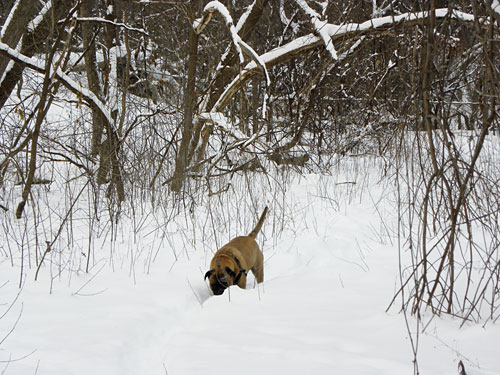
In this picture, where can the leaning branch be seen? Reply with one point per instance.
(75, 87)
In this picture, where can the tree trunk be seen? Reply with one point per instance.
(92, 75)
(189, 102)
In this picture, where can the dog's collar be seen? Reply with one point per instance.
(238, 276)
(238, 263)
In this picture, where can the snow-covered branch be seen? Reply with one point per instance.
(307, 42)
(117, 24)
(244, 17)
(271, 58)
(9, 19)
(319, 27)
(256, 58)
(68, 82)
(39, 18)
(216, 6)
(383, 22)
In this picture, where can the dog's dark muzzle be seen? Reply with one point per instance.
(218, 287)
(218, 292)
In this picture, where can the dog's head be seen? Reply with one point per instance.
(222, 278)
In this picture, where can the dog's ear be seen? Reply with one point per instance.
(209, 273)
(230, 272)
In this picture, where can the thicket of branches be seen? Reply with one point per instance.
(164, 101)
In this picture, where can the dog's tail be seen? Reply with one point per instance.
(256, 230)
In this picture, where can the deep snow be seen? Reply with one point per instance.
(329, 277)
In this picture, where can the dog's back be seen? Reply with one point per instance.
(249, 249)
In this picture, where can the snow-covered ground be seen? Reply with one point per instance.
(331, 270)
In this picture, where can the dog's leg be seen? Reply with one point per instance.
(242, 282)
(259, 273)
(258, 269)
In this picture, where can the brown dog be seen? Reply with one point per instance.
(231, 262)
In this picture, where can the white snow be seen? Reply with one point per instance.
(327, 30)
(217, 118)
(220, 8)
(256, 58)
(319, 27)
(228, 127)
(375, 23)
(322, 30)
(144, 307)
(495, 5)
